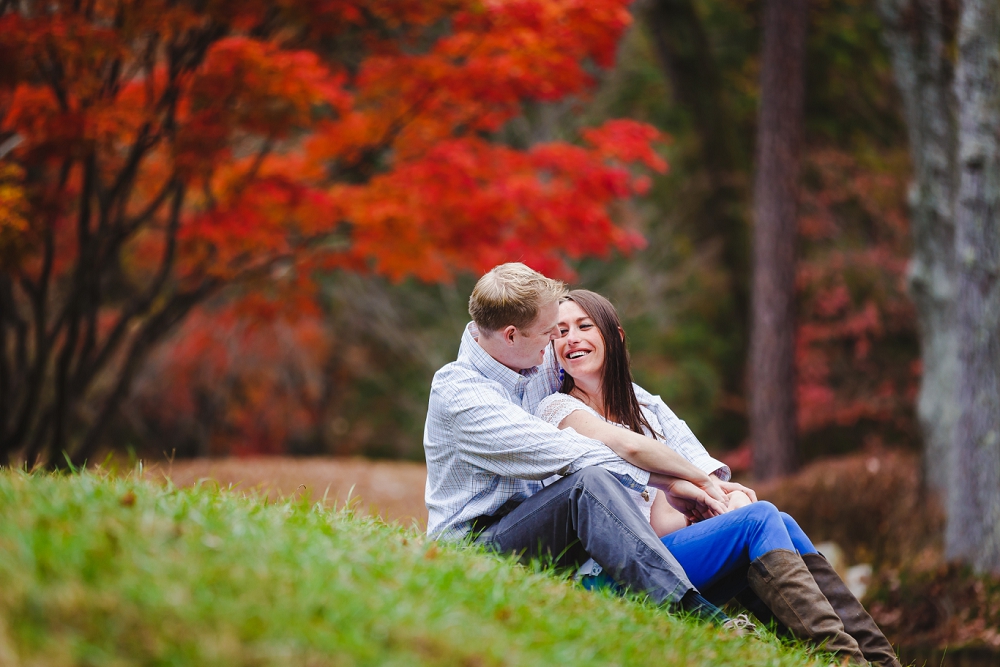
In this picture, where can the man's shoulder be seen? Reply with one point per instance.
(456, 379)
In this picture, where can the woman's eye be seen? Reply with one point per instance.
(563, 332)
(586, 326)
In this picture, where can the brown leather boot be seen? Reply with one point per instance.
(781, 579)
(857, 622)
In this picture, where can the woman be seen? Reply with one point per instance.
(751, 544)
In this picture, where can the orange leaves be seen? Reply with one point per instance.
(627, 142)
(266, 137)
(248, 87)
(475, 78)
(13, 211)
(266, 219)
(469, 205)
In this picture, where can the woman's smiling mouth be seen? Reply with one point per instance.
(576, 354)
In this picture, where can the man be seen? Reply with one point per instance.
(487, 454)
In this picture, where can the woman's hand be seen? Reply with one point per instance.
(732, 487)
(689, 499)
(737, 499)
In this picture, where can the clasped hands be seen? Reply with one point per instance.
(705, 499)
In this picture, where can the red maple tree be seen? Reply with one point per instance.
(167, 149)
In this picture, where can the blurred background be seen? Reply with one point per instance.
(251, 229)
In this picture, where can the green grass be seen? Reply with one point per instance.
(97, 569)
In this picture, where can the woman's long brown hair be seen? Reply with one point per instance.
(620, 403)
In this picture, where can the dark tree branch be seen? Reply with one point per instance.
(140, 306)
(152, 330)
(7, 313)
(131, 225)
(75, 307)
(54, 73)
(35, 379)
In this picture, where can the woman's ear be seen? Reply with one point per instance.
(621, 334)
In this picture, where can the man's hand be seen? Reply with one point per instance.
(729, 487)
(691, 500)
(713, 487)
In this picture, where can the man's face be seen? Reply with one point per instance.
(528, 345)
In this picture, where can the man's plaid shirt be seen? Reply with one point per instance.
(486, 452)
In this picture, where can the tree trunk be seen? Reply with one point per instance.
(973, 528)
(916, 33)
(779, 144)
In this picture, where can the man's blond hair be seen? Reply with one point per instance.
(511, 294)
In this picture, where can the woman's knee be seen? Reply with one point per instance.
(762, 511)
(799, 538)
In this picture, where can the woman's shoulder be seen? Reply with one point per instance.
(559, 398)
(556, 407)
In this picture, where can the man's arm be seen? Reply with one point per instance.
(498, 436)
(643, 452)
(680, 438)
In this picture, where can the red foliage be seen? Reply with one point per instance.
(857, 359)
(172, 148)
(256, 384)
(257, 126)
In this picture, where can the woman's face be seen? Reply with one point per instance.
(580, 349)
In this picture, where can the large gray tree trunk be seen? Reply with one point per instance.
(779, 145)
(973, 529)
(916, 33)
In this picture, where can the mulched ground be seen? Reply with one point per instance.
(393, 490)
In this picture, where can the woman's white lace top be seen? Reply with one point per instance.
(557, 407)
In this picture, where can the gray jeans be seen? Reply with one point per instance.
(589, 514)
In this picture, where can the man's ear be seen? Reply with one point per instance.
(508, 334)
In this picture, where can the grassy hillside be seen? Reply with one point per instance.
(104, 570)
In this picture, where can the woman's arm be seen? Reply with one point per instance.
(642, 452)
(663, 518)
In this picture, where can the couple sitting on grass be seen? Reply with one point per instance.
(538, 443)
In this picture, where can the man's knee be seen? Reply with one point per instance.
(594, 477)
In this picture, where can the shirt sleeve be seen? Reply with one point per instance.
(556, 407)
(680, 438)
(498, 436)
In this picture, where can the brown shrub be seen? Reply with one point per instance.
(944, 606)
(872, 505)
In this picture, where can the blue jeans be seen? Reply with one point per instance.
(717, 553)
(590, 514)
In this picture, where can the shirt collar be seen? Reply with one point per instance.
(471, 353)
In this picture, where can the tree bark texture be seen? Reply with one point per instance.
(917, 33)
(973, 528)
(779, 145)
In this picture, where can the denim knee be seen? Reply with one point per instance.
(593, 478)
(801, 541)
(763, 511)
